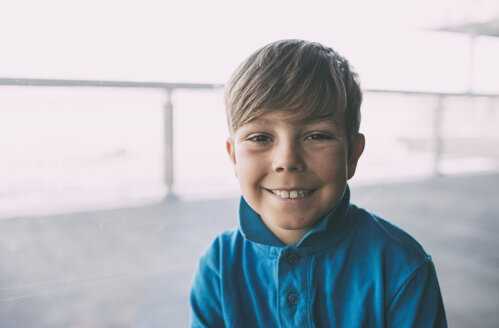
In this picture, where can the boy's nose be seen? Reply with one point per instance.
(288, 157)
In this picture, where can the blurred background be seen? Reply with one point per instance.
(113, 172)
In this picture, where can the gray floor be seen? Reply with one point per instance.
(132, 267)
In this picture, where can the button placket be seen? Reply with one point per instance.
(292, 288)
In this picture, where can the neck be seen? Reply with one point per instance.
(289, 237)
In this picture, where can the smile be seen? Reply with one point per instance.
(291, 194)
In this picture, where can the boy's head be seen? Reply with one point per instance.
(293, 110)
(304, 78)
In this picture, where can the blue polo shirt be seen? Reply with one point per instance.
(353, 269)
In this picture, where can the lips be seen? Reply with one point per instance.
(291, 193)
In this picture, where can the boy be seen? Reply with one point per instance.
(303, 255)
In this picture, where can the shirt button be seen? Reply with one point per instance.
(293, 298)
(293, 259)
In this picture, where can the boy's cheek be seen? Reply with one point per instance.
(244, 153)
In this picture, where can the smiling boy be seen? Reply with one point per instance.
(303, 255)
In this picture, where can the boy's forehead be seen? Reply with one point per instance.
(335, 117)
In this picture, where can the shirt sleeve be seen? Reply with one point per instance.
(418, 303)
(206, 309)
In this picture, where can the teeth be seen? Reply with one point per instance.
(291, 194)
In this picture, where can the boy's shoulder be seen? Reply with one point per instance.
(383, 239)
(377, 227)
(224, 243)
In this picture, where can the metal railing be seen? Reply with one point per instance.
(169, 88)
(437, 145)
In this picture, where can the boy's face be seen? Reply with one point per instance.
(293, 172)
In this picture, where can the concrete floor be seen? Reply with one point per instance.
(132, 267)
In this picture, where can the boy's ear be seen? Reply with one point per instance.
(356, 152)
(229, 145)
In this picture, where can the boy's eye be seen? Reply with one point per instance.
(259, 138)
(318, 136)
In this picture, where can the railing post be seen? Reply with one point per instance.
(168, 142)
(437, 135)
(471, 60)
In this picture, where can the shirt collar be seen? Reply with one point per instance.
(328, 229)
